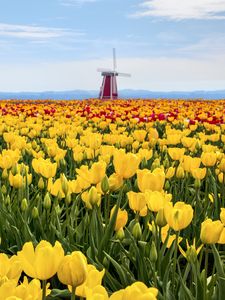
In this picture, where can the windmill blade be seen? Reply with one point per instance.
(124, 74)
(104, 70)
(114, 59)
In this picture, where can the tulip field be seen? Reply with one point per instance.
(112, 200)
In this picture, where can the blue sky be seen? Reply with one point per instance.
(165, 44)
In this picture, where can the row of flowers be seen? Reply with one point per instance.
(139, 203)
(43, 262)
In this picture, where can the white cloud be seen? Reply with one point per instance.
(75, 2)
(163, 73)
(183, 9)
(34, 32)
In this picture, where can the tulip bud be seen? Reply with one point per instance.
(120, 234)
(35, 213)
(24, 204)
(47, 201)
(155, 155)
(160, 218)
(14, 170)
(93, 195)
(126, 188)
(105, 184)
(62, 162)
(166, 163)
(142, 245)
(5, 174)
(144, 163)
(58, 209)
(136, 231)
(154, 230)
(153, 252)
(34, 144)
(105, 262)
(23, 170)
(68, 199)
(167, 185)
(41, 184)
(191, 254)
(4, 189)
(135, 145)
(7, 200)
(217, 171)
(220, 177)
(197, 183)
(64, 181)
(23, 152)
(180, 172)
(155, 164)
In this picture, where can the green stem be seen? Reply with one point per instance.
(206, 260)
(195, 279)
(175, 260)
(44, 282)
(73, 296)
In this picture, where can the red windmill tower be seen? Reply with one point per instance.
(108, 89)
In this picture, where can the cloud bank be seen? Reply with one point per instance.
(33, 32)
(182, 9)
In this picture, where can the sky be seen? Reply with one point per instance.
(166, 45)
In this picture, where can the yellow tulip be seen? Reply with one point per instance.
(209, 159)
(211, 231)
(16, 181)
(93, 279)
(73, 269)
(171, 238)
(198, 173)
(56, 189)
(170, 172)
(220, 177)
(97, 172)
(222, 237)
(125, 164)
(137, 291)
(180, 172)
(176, 153)
(222, 215)
(190, 163)
(173, 139)
(156, 200)
(145, 153)
(178, 216)
(84, 173)
(121, 219)
(139, 135)
(30, 290)
(44, 167)
(222, 165)
(148, 180)
(10, 267)
(136, 201)
(43, 262)
(115, 182)
(91, 197)
(7, 289)
(97, 293)
(8, 158)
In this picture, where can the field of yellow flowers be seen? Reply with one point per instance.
(112, 200)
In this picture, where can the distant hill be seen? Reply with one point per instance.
(82, 94)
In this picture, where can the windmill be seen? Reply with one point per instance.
(108, 89)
